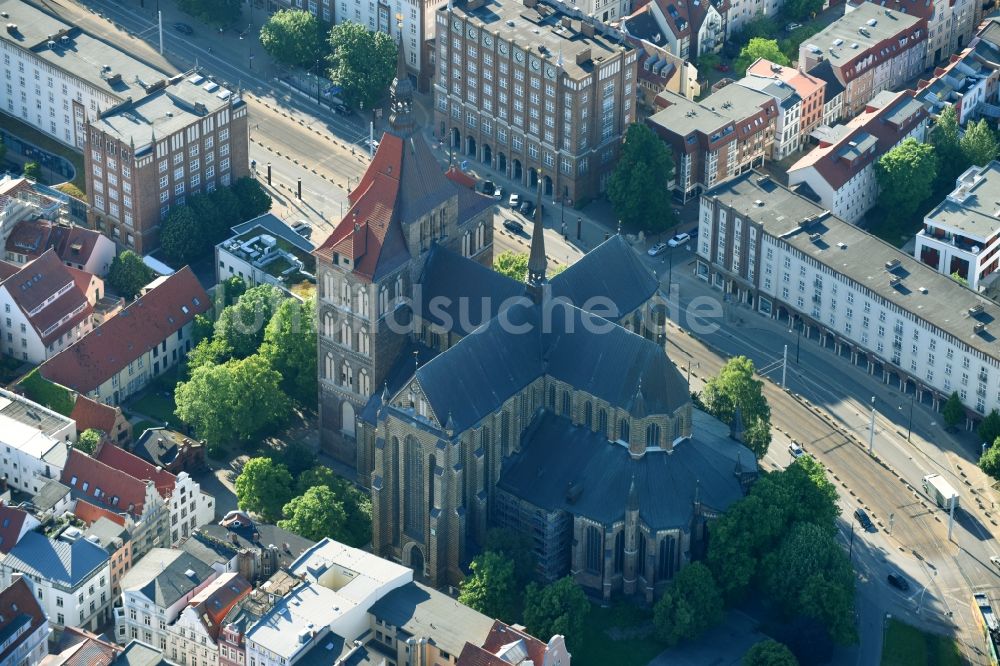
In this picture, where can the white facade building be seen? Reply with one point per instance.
(192, 639)
(265, 250)
(71, 576)
(787, 129)
(961, 235)
(34, 442)
(871, 303)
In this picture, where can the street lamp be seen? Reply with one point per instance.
(798, 340)
(909, 422)
(697, 365)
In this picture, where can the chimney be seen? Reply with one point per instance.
(587, 29)
(360, 238)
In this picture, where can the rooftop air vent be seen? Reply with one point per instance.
(758, 203)
(979, 327)
(815, 237)
(891, 264)
(975, 309)
(842, 245)
(922, 290)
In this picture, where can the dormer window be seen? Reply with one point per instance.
(85, 486)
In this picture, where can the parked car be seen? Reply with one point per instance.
(795, 450)
(514, 227)
(793, 26)
(995, 561)
(302, 228)
(679, 239)
(527, 208)
(498, 194)
(489, 187)
(183, 28)
(898, 582)
(514, 201)
(657, 249)
(342, 110)
(371, 143)
(862, 517)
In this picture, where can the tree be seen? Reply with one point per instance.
(290, 346)
(802, 9)
(708, 61)
(953, 411)
(735, 387)
(558, 608)
(128, 274)
(254, 201)
(264, 487)
(944, 136)
(989, 429)
(905, 175)
(242, 325)
(362, 63)
(32, 171)
(232, 289)
(293, 37)
(317, 475)
(517, 546)
(357, 504)
(491, 587)
(88, 440)
(228, 213)
(769, 653)
(989, 462)
(807, 638)
(181, 236)
(315, 515)
(208, 351)
(512, 264)
(979, 144)
(217, 12)
(759, 47)
(690, 605)
(638, 186)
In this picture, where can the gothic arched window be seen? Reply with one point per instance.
(620, 551)
(623, 430)
(602, 422)
(588, 414)
(594, 549)
(413, 487)
(652, 435)
(665, 560)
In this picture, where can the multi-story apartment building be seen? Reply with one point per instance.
(658, 69)
(737, 13)
(534, 93)
(55, 76)
(45, 309)
(834, 92)
(969, 81)
(193, 638)
(34, 442)
(70, 576)
(720, 137)
(870, 49)
(688, 29)
(23, 625)
(114, 532)
(840, 171)
(951, 24)
(810, 89)
(961, 235)
(78, 247)
(245, 615)
(155, 592)
(788, 122)
(144, 156)
(122, 355)
(265, 250)
(870, 303)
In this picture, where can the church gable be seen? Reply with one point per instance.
(412, 399)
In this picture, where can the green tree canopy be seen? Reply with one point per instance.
(989, 462)
(33, 171)
(242, 325)
(315, 515)
(759, 47)
(232, 289)
(512, 264)
(735, 387)
(181, 236)
(989, 428)
(905, 175)
(979, 143)
(228, 213)
(128, 274)
(293, 37)
(264, 487)
(769, 653)
(953, 411)
(558, 608)
(357, 504)
(362, 63)
(690, 605)
(944, 136)
(517, 546)
(801, 10)
(290, 346)
(491, 587)
(638, 186)
(254, 201)
(216, 12)
(88, 440)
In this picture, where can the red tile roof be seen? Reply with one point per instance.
(7, 269)
(11, 521)
(456, 175)
(33, 237)
(38, 281)
(17, 603)
(146, 322)
(501, 634)
(216, 600)
(90, 513)
(78, 647)
(92, 414)
(82, 470)
(133, 465)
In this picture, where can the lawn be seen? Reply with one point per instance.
(635, 644)
(909, 646)
(158, 400)
(28, 133)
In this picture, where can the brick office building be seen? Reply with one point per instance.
(144, 157)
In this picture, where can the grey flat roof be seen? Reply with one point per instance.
(781, 91)
(977, 215)
(540, 26)
(81, 54)
(863, 258)
(887, 24)
(423, 612)
(276, 226)
(684, 116)
(26, 412)
(49, 495)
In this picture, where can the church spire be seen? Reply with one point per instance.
(401, 120)
(536, 260)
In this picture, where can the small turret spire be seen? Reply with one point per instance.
(401, 119)
(536, 259)
(633, 496)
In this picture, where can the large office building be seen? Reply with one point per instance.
(879, 307)
(950, 23)
(532, 92)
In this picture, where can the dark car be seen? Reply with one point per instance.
(183, 28)
(514, 227)
(866, 522)
(489, 187)
(527, 208)
(342, 110)
(898, 582)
